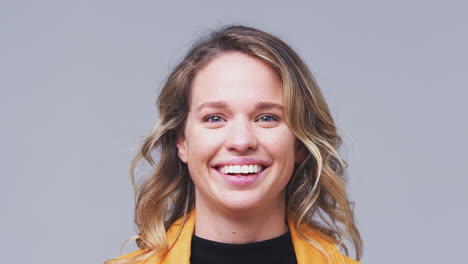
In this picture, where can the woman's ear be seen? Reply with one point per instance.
(300, 151)
(182, 148)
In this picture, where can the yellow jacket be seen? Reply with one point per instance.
(305, 253)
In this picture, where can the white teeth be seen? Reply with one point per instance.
(240, 169)
(245, 169)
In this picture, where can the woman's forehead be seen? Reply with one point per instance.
(236, 77)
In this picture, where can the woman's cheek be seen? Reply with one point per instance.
(280, 139)
(207, 139)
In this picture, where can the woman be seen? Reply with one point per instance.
(249, 171)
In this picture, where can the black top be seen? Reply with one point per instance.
(278, 250)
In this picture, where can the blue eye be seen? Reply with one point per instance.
(268, 118)
(213, 119)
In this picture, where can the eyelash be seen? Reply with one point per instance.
(273, 117)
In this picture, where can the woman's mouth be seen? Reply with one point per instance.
(240, 170)
(240, 176)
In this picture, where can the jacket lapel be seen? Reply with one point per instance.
(180, 251)
(306, 253)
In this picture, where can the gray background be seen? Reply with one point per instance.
(79, 79)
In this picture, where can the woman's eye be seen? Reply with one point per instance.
(213, 119)
(268, 118)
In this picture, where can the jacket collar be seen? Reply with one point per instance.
(305, 252)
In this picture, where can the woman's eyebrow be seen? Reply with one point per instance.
(268, 105)
(216, 104)
(259, 105)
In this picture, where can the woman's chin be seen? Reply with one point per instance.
(245, 203)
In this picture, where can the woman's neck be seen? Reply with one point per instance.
(241, 226)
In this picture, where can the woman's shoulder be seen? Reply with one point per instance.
(349, 260)
(132, 254)
(313, 244)
(132, 257)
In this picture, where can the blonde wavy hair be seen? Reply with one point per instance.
(315, 195)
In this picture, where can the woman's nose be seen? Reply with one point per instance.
(241, 136)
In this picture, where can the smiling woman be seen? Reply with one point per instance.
(248, 161)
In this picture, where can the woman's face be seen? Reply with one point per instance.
(239, 150)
